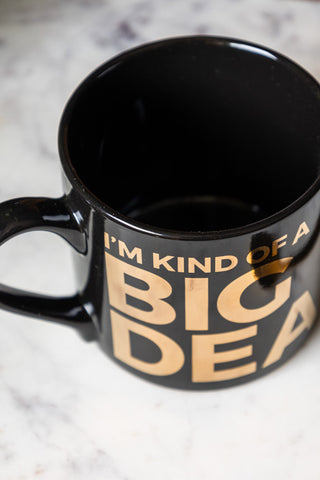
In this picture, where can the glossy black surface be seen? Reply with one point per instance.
(52, 215)
(193, 143)
(192, 118)
(197, 213)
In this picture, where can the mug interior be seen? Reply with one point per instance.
(196, 134)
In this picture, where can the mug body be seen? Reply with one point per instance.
(193, 165)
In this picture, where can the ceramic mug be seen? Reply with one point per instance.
(191, 200)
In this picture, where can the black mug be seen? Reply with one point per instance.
(191, 200)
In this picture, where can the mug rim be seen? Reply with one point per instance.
(95, 202)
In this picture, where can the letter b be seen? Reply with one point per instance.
(161, 312)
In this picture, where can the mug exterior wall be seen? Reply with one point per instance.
(199, 312)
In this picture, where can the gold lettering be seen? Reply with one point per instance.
(172, 357)
(196, 303)
(229, 300)
(106, 240)
(161, 312)
(204, 357)
(180, 264)
(158, 262)
(252, 258)
(306, 308)
(302, 230)
(193, 262)
(136, 252)
(276, 244)
(232, 262)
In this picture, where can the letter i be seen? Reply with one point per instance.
(106, 240)
(180, 264)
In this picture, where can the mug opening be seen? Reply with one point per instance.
(197, 134)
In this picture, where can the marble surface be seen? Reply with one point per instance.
(67, 411)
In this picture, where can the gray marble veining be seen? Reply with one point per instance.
(67, 411)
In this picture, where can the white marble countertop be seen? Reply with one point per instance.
(66, 410)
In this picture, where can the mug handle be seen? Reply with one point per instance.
(52, 215)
